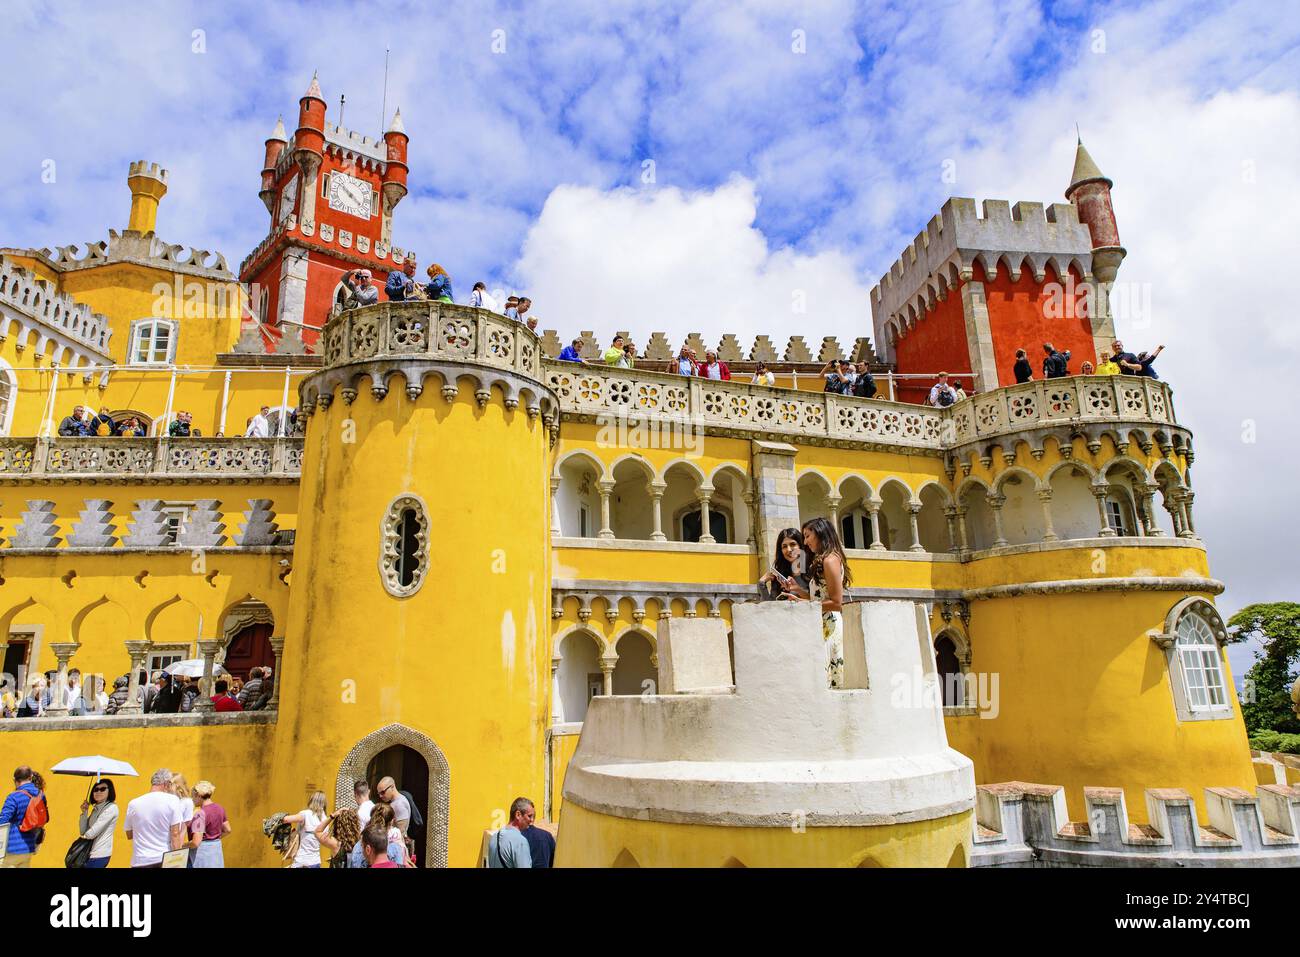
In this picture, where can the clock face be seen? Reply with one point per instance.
(350, 195)
(288, 198)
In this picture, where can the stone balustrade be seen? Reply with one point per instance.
(1133, 405)
(177, 459)
(431, 330)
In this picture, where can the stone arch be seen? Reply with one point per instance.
(1073, 506)
(975, 518)
(895, 496)
(731, 492)
(625, 858)
(575, 499)
(8, 396)
(855, 493)
(570, 685)
(79, 619)
(688, 465)
(437, 814)
(1127, 482)
(953, 682)
(633, 666)
(932, 519)
(812, 489)
(160, 610)
(630, 508)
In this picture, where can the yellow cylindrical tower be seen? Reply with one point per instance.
(418, 648)
(148, 186)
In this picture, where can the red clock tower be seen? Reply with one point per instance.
(331, 194)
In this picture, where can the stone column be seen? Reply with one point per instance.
(555, 507)
(606, 487)
(63, 651)
(704, 494)
(208, 648)
(607, 674)
(1049, 532)
(1099, 493)
(995, 504)
(833, 506)
(1185, 500)
(775, 495)
(749, 518)
(873, 512)
(950, 513)
(964, 549)
(913, 510)
(1149, 511)
(277, 647)
(656, 490)
(138, 651)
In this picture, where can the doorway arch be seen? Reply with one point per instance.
(436, 811)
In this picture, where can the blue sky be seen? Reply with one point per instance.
(774, 170)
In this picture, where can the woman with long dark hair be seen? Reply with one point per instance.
(828, 577)
(98, 819)
(788, 576)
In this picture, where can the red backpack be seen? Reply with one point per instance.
(36, 817)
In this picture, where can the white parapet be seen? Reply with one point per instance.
(783, 747)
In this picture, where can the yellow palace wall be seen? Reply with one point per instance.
(125, 292)
(464, 660)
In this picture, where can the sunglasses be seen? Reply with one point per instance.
(100, 788)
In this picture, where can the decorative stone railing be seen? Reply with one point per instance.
(75, 458)
(589, 391)
(431, 330)
(1055, 402)
(594, 391)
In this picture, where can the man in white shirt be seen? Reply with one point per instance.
(361, 791)
(259, 427)
(154, 823)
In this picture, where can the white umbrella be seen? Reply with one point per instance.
(96, 765)
(193, 668)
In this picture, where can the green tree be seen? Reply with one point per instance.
(1267, 687)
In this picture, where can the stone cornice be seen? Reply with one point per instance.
(1080, 585)
(105, 721)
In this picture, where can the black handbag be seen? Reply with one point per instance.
(79, 853)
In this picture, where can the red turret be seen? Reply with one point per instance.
(395, 172)
(309, 139)
(1089, 191)
(275, 146)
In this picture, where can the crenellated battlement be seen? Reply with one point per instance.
(147, 169)
(657, 348)
(357, 143)
(41, 314)
(1022, 237)
(1019, 825)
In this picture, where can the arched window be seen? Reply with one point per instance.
(1192, 638)
(1199, 655)
(8, 396)
(950, 676)
(153, 342)
(404, 555)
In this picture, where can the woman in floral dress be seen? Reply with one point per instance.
(828, 577)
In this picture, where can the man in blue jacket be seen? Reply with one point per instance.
(22, 844)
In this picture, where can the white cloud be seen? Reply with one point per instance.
(665, 260)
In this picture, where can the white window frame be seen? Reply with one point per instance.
(1117, 518)
(9, 380)
(137, 331)
(390, 546)
(1193, 643)
(180, 511)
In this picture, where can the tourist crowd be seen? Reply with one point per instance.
(162, 694)
(171, 816)
(265, 424)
